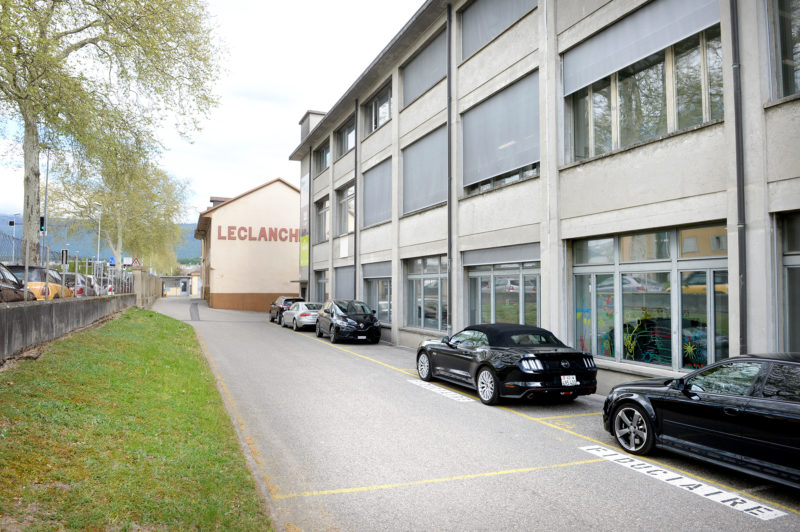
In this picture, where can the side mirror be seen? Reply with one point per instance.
(679, 384)
(327, 311)
(446, 340)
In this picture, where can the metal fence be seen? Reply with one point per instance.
(109, 279)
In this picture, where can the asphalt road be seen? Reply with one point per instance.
(346, 437)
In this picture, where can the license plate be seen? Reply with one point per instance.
(569, 380)
(362, 337)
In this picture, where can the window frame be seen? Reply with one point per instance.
(341, 135)
(671, 107)
(322, 158)
(373, 106)
(419, 279)
(345, 209)
(322, 209)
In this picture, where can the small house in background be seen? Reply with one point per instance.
(250, 247)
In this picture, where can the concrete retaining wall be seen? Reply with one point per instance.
(25, 325)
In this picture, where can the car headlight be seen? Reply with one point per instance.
(530, 365)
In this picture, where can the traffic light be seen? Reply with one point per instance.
(41, 223)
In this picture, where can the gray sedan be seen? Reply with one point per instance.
(300, 315)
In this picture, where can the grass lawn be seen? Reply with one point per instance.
(122, 427)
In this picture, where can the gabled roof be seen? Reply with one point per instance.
(204, 220)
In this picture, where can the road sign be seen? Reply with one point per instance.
(136, 262)
(111, 261)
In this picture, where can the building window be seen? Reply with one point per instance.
(484, 20)
(378, 294)
(322, 158)
(425, 171)
(377, 202)
(378, 110)
(322, 212)
(500, 135)
(515, 176)
(345, 209)
(426, 293)
(791, 295)
(624, 303)
(345, 138)
(646, 110)
(321, 285)
(426, 69)
(788, 43)
(503, 293)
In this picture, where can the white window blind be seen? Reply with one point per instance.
(426, 69)
(425, 171)
(378, 193)
(484, 20)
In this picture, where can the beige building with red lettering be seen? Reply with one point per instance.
(250, 246)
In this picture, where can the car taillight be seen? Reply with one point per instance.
(305, 314)
(80, 290)
(46, 291)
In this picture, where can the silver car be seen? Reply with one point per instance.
(300, 315)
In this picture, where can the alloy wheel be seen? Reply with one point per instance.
(294, 324)
(632, 430)
(487, 386)
(424, 367)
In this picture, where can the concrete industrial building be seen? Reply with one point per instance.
(250, 245)
(601, 168)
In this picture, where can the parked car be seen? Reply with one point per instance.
(11, 289)
(300, 315)
(508, 360)
(742, 413)
(43, 282)
(348, 319)
(78, 283)
(93, 286)
(277, 307)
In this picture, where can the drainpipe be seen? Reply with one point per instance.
(450, 282)
(356, 166)
(310, 268)
(740, 203)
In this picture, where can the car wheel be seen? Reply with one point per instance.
(488, 387)
(375, 338)
(294, 325)
(332, 334)
(271, 319)
(317, 330)
(632, 429)
(283, 321)
(424, 367)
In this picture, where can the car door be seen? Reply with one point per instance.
(325, 316)
(448, 357)
(771, 423)
(705, 416)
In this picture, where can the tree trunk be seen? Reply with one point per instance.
(31, 204)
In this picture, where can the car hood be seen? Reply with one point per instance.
(657, 382)
(360, 318)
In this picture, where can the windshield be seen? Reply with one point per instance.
(353, 307)
(313, 306)
(34, 275)
(526, 339)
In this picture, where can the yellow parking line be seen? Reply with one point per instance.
(434, 480)
(541, 420)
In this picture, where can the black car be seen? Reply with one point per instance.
(11, 288)
(348, 319)
(508, 360)
(277, 307)
(742, 413)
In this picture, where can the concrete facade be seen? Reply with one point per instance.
(250, 246)
(677, 187)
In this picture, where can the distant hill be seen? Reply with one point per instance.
(86, 241)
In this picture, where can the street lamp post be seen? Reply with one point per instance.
(97, 258)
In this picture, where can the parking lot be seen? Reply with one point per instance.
(347, 437)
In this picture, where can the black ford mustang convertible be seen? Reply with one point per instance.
(507, 360)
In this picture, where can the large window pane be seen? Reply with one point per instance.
(700, 242)
(431, 304)
(721, 314)
(642, 100)
(506, 299)
(414, 302)
(580, 124)
(600, 251)
(714, 66)
(583, 313)
(480, 301)
(688, 82)
(792, 233)
(792, 309)
(694, 319)
(789, 45)
(647, 322)
(646, 246)
(530, 295)
(604, 305)
(601, 116)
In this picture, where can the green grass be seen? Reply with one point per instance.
(122, 427)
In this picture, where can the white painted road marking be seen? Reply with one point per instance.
(729, 499)
(441, 391)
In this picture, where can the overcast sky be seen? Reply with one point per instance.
(283, 58)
